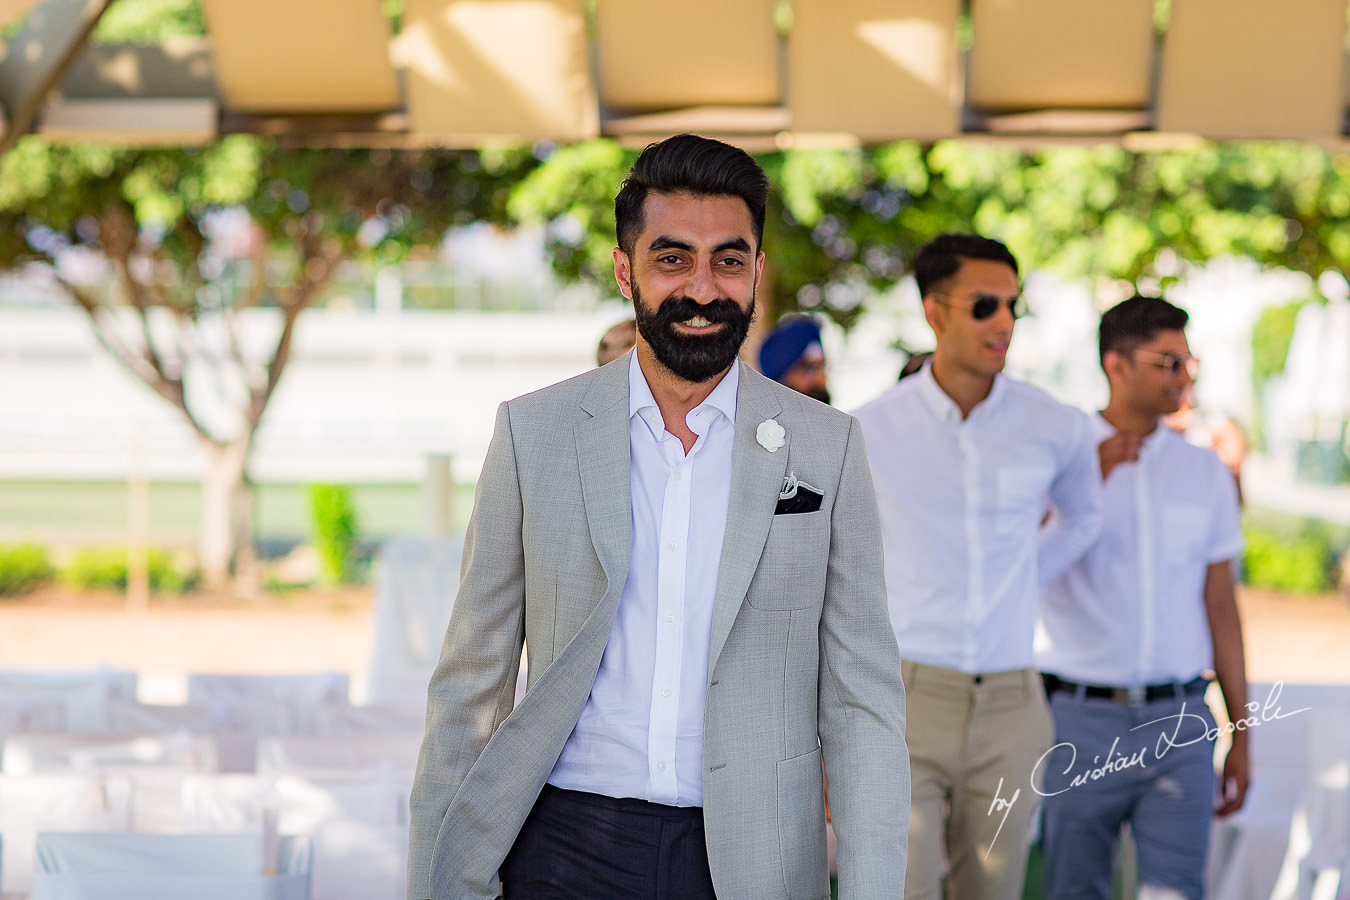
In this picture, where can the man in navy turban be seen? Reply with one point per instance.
(792, 355)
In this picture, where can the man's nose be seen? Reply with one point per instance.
(703, 283)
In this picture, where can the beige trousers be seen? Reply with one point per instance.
(974, 741)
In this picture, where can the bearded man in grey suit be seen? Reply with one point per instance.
(691, 555)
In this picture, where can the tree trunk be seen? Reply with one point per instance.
(225, 545)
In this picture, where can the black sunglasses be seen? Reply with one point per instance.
(983, 306)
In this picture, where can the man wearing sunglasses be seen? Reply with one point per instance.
(1130, 629)
(966, 462)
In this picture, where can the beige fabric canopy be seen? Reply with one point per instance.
(465, 72)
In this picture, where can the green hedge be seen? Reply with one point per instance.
(105, 568)
(23, 567)
(1300, 563)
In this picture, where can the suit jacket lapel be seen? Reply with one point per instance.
(756, 478)
(602, 456)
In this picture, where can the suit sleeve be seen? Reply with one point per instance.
(862, 699)
(473, 687)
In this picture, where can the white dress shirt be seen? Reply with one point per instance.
(641, 732)
(1131, 612)
(961, 504)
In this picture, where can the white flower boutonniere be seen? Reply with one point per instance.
(770, 435)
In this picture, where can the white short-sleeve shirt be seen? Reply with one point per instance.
(1131, 612)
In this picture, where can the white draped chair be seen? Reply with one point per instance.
(33, 803)
(355, 756)
(86, 866)
(414, 595)
(1248, 849)
(236, 727)
(1317, 863)
(299, 695)
(154, 764)
(359, 828)
(34, 700)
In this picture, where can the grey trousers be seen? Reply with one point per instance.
(1149, 765)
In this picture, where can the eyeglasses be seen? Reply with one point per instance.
(983, 306)
(1173, 363)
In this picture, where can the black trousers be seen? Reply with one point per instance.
(580, 845)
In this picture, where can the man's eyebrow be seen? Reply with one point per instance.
(733, 244)
(664, 242)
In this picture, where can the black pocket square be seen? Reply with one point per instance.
(797, 497)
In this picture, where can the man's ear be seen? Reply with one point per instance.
(623, 273)
(1113, 364)
(759, 267)
(932, 316)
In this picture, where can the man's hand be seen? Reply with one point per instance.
(1119, 448)
(1236, 774)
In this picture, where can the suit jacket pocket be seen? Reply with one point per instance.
(791, 570)
(801, 827)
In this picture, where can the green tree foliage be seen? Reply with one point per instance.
(843, 223)
(145, 223)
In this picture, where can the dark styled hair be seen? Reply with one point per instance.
(1135, 321)
(689, 164)
(939, 259)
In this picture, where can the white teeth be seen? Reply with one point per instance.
(697, 322)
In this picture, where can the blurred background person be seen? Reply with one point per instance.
(617, 341)
(1206, 428)
(792, 355)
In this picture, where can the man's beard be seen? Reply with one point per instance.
(694, 358)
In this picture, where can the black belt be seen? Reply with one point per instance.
(1132, 696)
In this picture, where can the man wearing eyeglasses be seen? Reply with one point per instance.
(1130, 629)
(966, 462)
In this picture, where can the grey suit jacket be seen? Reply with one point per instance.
(802, 659)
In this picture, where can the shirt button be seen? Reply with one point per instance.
(673, 545)
(670, 620)
(661, 766)
(678, 474)
(665, 692)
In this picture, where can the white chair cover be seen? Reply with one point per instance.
(168, 867)
(27, 754)
(81, 695)
(359, 828)
(33, 803)
(1317, 863)
(343, 719)
(236, 727)
(300, 695)
(340, 757)
(1248, 849)
(414, 595)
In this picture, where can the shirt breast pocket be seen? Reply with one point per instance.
(1022, 497)
(791, 572)
(1185, 530)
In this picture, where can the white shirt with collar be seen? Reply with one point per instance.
(962, 501)
(1131, 612)
(641, 731)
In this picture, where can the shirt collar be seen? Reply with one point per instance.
(945, 407)
(642, 402)
(1152, 444)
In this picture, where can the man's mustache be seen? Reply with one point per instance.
(680, 309)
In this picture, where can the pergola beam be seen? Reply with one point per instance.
(38, 57)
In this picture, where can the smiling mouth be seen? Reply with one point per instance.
(697, 322)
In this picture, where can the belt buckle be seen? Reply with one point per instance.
(1136, 696)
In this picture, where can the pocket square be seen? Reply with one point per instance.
(797, 497)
